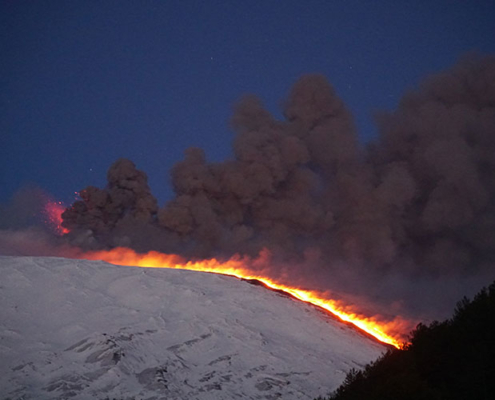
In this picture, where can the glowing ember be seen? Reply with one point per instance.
(53, 213)
(387, 332)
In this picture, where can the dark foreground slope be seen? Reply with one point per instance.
(454, 359)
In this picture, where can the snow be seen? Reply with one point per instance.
(90, 330)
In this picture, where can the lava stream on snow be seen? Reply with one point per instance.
(390, 332)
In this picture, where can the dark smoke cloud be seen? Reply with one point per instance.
(417, 202)
(442, 140)
(122, 214)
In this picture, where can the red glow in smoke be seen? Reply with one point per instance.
(52, 211)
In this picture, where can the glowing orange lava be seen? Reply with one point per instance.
(53, 212)
(390, 332)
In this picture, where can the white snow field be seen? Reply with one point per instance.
(73, 329)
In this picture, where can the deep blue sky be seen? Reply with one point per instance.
(85, 82)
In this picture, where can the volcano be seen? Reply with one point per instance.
(87, 329)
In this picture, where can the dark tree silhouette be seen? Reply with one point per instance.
(454, 359)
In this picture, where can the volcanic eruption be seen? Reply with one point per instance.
(421, 196)
(392, 227)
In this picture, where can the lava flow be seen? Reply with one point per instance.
(389, 333)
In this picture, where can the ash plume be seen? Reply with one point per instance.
(119, 215)
(419, 201)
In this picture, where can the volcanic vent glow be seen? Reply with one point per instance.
(52, 211)
(387, 332)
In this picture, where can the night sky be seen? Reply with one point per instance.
(83, 83)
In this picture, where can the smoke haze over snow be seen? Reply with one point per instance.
(411, 213)
(26, 227)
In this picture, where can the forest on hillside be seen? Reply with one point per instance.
(453, 359)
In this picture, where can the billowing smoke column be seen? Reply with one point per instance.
(283, 190)
(114, 215)
(420, 199)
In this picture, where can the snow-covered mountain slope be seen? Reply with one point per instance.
(91, 330)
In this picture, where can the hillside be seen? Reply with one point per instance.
(84, 329)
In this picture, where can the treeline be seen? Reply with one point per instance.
(454, 359)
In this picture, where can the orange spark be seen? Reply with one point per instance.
(387, 332)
